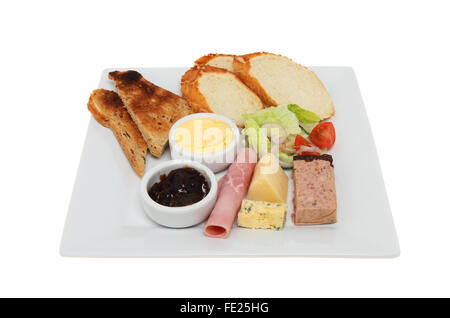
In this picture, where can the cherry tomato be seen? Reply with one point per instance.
(323, 135)
(300, 141)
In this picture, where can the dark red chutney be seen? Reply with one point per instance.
(181, 187)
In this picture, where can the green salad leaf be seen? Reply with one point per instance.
(285, 157)
(280, 115)
(305, 133)
(251, 133)
(293, 118)
(256, 138)
(304, 115)
(307, 128)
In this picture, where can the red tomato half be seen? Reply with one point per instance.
(323, 135)
(300, 141)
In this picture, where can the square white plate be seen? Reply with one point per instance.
(105, 218)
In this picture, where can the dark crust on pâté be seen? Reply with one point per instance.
(309, 158)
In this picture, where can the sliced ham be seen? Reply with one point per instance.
(233, 187)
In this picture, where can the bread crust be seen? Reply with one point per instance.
(242, 66)
(153, 109)
(108, 109)
(204, 60)
(191, 91)
(190, 88)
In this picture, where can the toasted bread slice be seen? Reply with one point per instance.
(217, 60)
(108, 109)
(153, 109)
(278, 80)
(215, 90)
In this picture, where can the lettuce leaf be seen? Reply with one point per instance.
(256, 138)
(303, 115)
(280, 115)
(285, 157)
(307, 128)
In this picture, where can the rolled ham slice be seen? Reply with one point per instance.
(233, 187)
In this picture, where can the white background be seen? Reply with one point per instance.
(51, 56)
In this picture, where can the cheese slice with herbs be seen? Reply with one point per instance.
(262, 215)
(269, 182)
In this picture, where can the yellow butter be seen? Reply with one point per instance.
(269, 182)
(262, 215)
(204, 135)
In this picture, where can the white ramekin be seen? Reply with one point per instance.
(216, 161)
(177, 217)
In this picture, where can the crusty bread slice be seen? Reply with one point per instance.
(278, 80)
(108, 109)
(217, 60)
(216, 90)
(153, 109)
